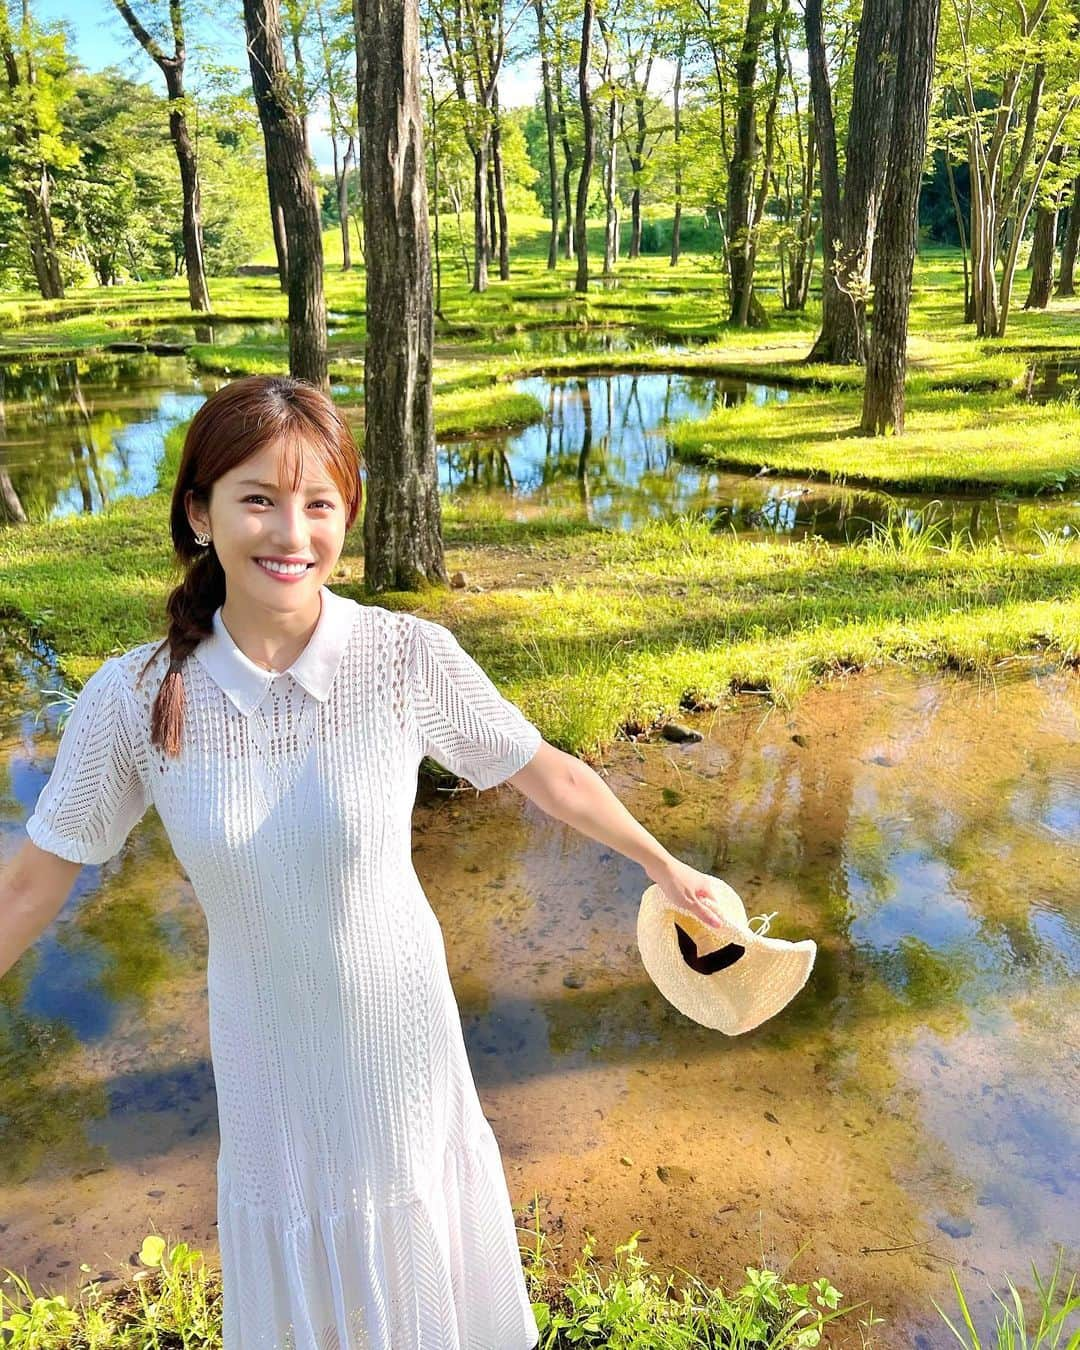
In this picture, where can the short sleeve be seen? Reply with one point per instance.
(464, 723)
(95, 794)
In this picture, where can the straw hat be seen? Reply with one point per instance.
(731, 977)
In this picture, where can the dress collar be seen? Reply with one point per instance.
(246, 683)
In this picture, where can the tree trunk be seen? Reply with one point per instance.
(568, 159)
(343, 206)
(850, 219)
(194, 262)
(741, 169)
(402, 519)
(1044, 248)
(1067, 279)
(766, 171)
(676, 225)
(480, 213)
(549, 126)
(961, 232)
(611, 217)
(435, 191)
(1041, 262)
(894, 250)
(493, 223)
(611, 214)
(802, 258)
(289, 170)
(500, 189)
(581, 245)
(43, 251)
(637, 165)
(281, 237)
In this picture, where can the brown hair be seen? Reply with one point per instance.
(240, 419)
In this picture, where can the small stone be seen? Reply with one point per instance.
(675, 731)
(800, 740)
(574, 981)
(957, 1228)
(625, 1160)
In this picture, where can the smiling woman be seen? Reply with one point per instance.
(268, 484)
(362, 1200)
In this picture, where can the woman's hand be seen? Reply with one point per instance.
(683, 885)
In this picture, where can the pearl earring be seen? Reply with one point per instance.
(201, 539)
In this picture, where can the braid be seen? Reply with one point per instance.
(190, 607)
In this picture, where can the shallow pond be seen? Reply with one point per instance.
(1053, 377)
(601, 449)
(916, 1107)
(76, 434)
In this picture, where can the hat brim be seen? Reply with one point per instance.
(738, 997)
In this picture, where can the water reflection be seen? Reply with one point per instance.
(914, 1108)
(1053, 377)
(76, 434)
(601, 449)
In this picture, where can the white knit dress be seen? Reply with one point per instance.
(361, 1196)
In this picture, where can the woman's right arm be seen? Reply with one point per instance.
(34, 887)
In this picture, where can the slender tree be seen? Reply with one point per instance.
(1067, 276)
(342, 117)
(402, 519)
(611, 214)
(581, 245)
(172, 67)
(894, 248)
(1017, 76)
(676, 225)
(288, 171)
(549, 129)
(850, 208)
(1044, 242)
(746, 308)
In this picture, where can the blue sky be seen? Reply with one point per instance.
(101, 38)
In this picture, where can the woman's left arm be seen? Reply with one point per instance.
(566, 787)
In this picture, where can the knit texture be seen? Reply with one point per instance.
(361, 1195)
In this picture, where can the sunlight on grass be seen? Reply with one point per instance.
(176, 1299)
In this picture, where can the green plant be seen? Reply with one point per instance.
(631, 1307)
(1012, 1331)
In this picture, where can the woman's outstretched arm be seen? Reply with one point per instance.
(566, 787)
(34, 887)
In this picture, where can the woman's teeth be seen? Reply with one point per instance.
(288, 569)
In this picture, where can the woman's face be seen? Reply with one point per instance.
(255, 520)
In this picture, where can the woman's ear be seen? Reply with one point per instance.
(197, 514)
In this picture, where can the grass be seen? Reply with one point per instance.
(175, 1301)
(611, 630)
(952, 441)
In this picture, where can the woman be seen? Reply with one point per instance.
(277, 730)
